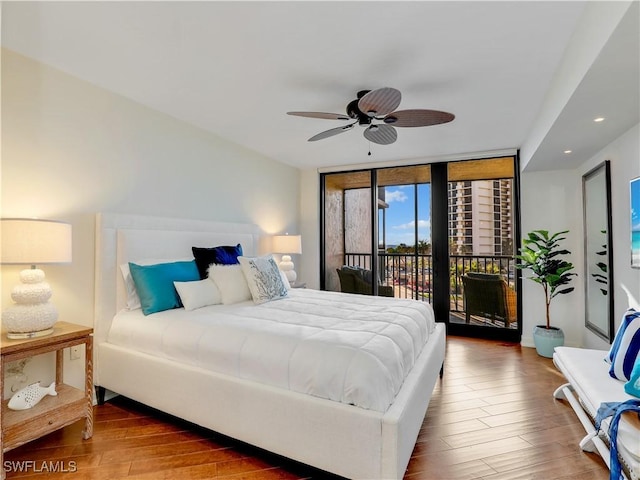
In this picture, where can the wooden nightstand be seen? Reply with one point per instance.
(51, 413)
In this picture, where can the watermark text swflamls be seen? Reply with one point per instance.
(33, 466)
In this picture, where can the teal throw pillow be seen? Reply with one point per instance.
(154, 283)
(632, 387)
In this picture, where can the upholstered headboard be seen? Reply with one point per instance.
(121, 238)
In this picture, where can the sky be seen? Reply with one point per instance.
(400, 216)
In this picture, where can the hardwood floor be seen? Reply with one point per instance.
(491, 417)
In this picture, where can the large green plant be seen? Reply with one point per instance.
(541, 254)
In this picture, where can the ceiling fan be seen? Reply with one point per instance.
(376, 111)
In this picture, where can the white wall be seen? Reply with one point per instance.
(310, 227)
(624, 154)
(553, 200)
(71, 149)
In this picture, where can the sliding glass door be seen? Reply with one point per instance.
(441, 233)
(348, 224)
(481, 233)
(404, 230)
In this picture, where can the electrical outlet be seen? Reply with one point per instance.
(74, 352)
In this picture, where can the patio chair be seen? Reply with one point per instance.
(489, 296)
(358, 280)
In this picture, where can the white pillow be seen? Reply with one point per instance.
(133, 300)
(197, 294)
(264, 278)
(231, 282)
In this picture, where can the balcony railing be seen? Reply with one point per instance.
(411, 275)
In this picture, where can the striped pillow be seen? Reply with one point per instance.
(626, 346)
(618, 338)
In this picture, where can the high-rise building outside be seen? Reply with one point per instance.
(480, 217)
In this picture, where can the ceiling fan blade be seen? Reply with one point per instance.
(328, 116)
(381, 134)
(380, 102)
(418, 118)
(331, 132)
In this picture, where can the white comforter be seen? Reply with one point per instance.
(349, 348)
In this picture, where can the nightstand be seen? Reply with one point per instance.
(51, 413)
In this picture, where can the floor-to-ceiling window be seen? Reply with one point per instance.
(404, 230)
(441, 233)
(348, 226)
(481, 233)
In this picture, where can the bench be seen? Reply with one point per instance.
(589, 385)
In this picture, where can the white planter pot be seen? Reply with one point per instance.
(547, 339)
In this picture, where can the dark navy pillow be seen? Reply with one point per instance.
(221, 255)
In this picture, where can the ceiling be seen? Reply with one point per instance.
(236, 68)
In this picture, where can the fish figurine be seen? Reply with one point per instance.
(30, 395)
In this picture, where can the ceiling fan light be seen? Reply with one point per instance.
(379, 105)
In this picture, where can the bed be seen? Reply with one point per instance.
(279, 414)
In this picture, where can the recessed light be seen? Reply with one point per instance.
(599, 119)
(567, 151)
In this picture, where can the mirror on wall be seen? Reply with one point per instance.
(635, 222)
(598, 254)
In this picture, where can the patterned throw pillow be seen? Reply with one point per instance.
(626, 346)
(264, 278)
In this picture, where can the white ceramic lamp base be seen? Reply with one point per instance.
(286, 265)
(33, 315)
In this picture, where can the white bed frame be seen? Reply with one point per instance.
(339, 438)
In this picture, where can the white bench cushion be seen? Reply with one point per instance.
(588, 374)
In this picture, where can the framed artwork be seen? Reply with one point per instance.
(635, 223)
(598, 251)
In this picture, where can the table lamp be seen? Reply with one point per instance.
(27, 241)
(287, 244)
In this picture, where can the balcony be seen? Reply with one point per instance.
(411, 275)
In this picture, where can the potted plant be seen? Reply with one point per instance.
(541, 253)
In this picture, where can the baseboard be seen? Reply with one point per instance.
(527, 342)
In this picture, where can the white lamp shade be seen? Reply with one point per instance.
(287, 244)
(34, 242)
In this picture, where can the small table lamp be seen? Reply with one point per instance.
(30, 241)
(287, 244)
